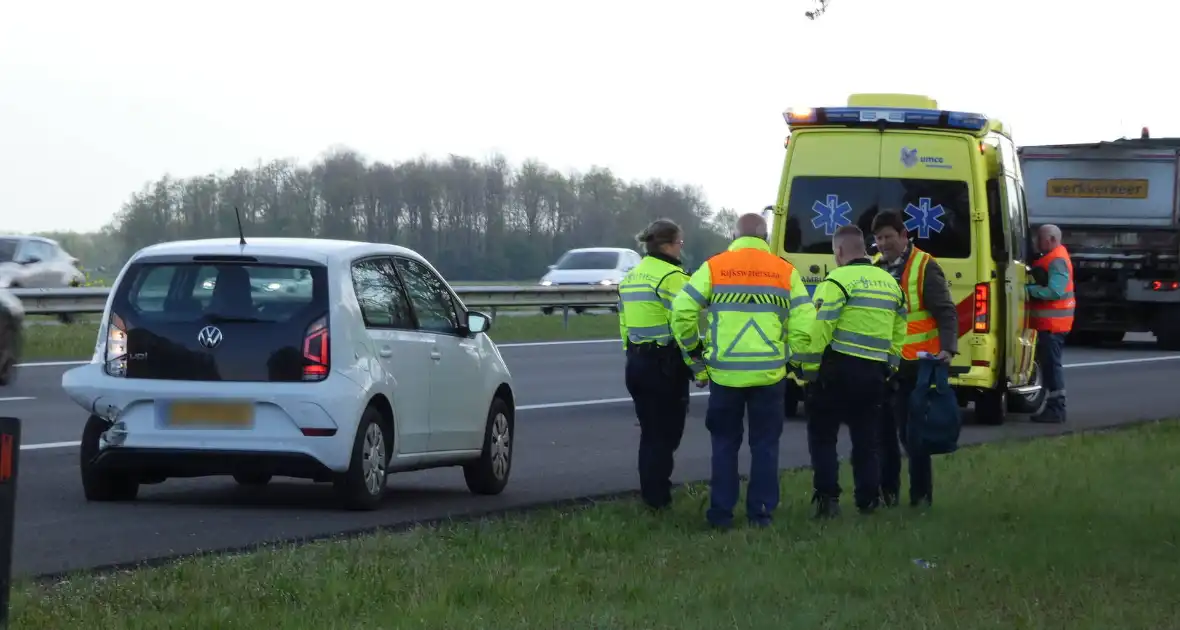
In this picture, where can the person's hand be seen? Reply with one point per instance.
(701, 380)
(944, 356)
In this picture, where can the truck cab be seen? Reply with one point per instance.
(956, 179)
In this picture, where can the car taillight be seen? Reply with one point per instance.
(315, 351)
(116, 347)
(983, 320)
(1164, 285)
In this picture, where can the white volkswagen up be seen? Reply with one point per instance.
(360, 360)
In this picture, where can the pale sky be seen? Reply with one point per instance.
(98, 98)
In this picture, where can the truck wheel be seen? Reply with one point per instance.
(1094, 337)
(1167, 328)
(991, 406)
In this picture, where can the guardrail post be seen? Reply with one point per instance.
(9, 456)
(565, 317)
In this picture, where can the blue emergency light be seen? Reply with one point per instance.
(889, 116)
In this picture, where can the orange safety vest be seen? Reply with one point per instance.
(921, 334)
(1053, 316)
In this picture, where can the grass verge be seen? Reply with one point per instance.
(76, 341)
(1075, 532)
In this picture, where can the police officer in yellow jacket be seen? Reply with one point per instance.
(758, 313)
(858, 334)
(657, 373)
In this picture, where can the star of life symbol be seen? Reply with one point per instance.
(831, 215)
(924, 218)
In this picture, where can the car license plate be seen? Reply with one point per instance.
(197, 415)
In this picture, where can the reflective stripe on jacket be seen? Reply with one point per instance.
(1053, 315)
(921, 327)
(645, 301)
(861, 312)
(758, 312)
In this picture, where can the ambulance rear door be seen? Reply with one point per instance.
(927, 177)
(829, 180)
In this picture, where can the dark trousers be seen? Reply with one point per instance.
(763, 406)
(848, 391)
(895, 415)
(658, 381)
(1049, 347)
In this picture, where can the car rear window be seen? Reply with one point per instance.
(188, 291)
(589, 260)
(937, 212)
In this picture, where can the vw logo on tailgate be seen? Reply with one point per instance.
(210, 337)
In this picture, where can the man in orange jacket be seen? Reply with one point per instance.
(933, 327)
(1051, 308)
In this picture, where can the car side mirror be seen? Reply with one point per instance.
(478, 322)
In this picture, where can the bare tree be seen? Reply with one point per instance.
(820, 7)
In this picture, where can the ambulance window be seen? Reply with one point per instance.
(937, 212)
(1019, 235)
(995, 221)
(818, 205)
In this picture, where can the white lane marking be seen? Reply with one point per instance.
(48, 445)
(51, 364)
(533, 344)
(611, 401)
(586, 403)
(614, 401)
(1171, 357)
(16, 398)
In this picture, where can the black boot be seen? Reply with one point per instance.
(825, 507)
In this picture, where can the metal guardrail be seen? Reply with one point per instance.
(94, 299)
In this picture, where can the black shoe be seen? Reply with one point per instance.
(825, 507)
(870, 507)
(889, 499)
(921, 501)
(658, 505)
(1049, 417)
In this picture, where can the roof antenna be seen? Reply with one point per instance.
(241, 234)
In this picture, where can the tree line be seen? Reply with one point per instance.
(473, 220)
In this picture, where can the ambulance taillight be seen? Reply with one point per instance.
(982, 308)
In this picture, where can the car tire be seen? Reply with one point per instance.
(489, 474)
(100, 484)
(362, 486)
(10, 345)
(252, 479)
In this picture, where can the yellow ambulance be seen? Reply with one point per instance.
(956, 180)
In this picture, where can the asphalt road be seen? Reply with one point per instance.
(575, 436)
